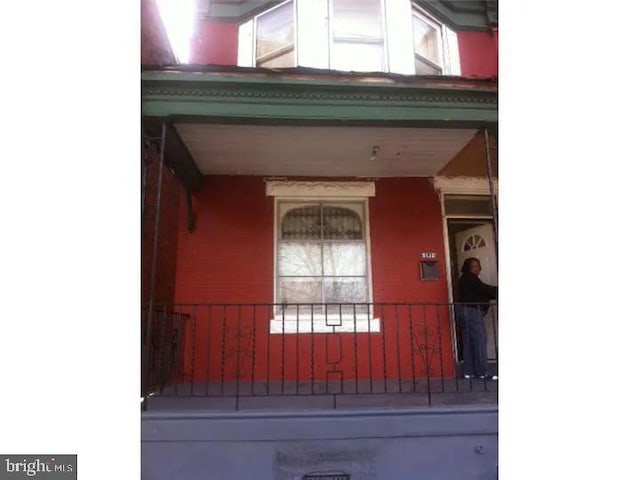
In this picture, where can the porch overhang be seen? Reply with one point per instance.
(302, 122)
(256, 96)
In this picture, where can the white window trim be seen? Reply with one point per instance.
(247, 32)
(282, 191)
(448, 42)
(382, 40)
(321, 324)
(424, 18)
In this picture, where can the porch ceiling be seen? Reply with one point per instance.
(343, 151)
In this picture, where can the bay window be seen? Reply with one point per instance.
(349, 35)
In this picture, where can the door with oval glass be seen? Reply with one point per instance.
(478, 242)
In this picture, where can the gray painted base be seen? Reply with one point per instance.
(426, 443)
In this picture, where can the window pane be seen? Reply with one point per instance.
(356, 19)
(274, 30)
(344, 259)
(341, 223)
(301, 223)
(313, 38)
(300, 290)
(423, 68)
(282, 61)
(303, 259)
(357, 57)
(356, 34)
(345, 290)
(426, 39)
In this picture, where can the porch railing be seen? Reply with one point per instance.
(295, 350)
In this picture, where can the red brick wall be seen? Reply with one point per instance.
(478, 53)
(229, 256)
(171, 194)
(215, 43)
(229, 259)
(405, 220)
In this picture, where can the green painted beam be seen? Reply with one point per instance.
(457, 14)
(259, 98)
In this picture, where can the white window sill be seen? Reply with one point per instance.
(331, 324)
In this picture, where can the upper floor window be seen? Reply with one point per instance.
(275, 37)
(427, 40)
(349, 35)
(356, 36)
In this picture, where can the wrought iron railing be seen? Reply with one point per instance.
(240, 350)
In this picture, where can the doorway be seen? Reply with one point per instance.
(474, 237)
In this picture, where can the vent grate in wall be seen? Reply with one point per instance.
(327, 476)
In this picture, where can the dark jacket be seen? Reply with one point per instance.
(473, 290)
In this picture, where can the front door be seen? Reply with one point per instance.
(479, 242)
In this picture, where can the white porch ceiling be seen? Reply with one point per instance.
(321, 151)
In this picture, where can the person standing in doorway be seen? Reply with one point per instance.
(474, 295)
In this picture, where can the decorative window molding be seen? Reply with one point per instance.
(279, 188)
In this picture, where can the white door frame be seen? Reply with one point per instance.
(459, 186)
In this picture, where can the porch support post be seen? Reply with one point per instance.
(491, 189)
(154, 255)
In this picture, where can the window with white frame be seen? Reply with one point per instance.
(274, 33)
(349, 35)
(322, 268)
(356, 36)
(427, 40)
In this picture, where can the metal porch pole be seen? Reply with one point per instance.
(152, 279)
(494, 313)
(491, 189)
